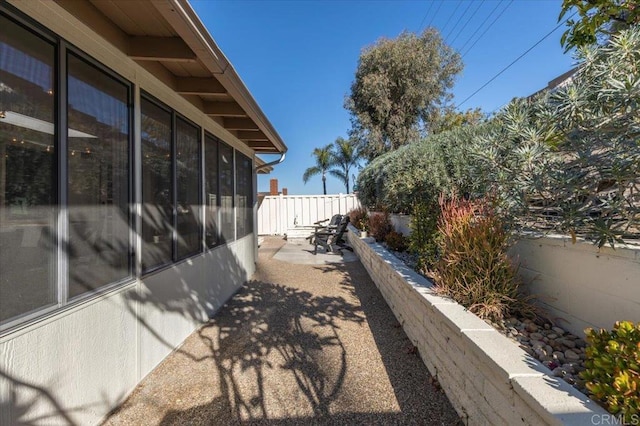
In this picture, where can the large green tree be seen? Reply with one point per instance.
(345, 156)
(597, 19)
(324, 160)
(399, 87)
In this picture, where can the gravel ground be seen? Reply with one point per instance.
(298, 344)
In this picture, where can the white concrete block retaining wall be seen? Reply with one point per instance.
(580, 285)
(487, 377)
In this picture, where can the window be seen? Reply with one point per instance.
(157, 187)
(50, 91)
(244, 195)
(188, 189)
(98, 179)
(211, 236)
(27, 172)
(227, 221)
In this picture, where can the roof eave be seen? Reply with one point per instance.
(188, 25)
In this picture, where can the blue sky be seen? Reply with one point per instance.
(298, 59)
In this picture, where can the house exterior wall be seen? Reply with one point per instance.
(79, 364)
(76, 363)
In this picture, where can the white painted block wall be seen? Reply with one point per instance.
(580, 285)
(487, 377)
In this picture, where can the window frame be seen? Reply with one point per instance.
(175, 116)
(146, 96)
(62, 49)
(131, 255)
(174, 157)
(9, 12)
(217, 143)
(222, 241)
(59, 178)
(250, 195)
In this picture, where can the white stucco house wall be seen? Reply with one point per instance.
(127, 197)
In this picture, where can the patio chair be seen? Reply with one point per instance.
(331, 239)
(331, 224)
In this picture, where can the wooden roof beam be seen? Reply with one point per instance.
(270, 150)
(234, 123)
(170, 49)
(258, 145)
(199, 86)
(223, 109)
(252, 136)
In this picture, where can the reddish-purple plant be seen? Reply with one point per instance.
(474, 268)
(380, 225)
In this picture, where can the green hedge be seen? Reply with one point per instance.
(421, 171)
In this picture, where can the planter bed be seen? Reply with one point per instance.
(487, 377)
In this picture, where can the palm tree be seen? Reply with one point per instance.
(323, 158)
(344, 157)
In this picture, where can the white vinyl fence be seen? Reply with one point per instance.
(284, 214)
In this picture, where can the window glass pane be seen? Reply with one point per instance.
(98, 184)
(211, 191)
(157, 190)
(244, 195)
(188, 183)
(27, 172)
(227, 221)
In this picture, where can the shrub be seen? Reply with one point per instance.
(359, 217)
(613, 369)
(474, 268)
(569, 160)
(396, 241)
(380, 225)
(421, 171)
(424, 231)
(564, 161)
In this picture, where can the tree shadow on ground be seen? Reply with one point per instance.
(415, 389)
(261, 319)
(268, 326)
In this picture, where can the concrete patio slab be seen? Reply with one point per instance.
(300, 252)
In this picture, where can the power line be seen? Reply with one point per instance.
(516, 60)
(459, 19)
(435, 14)
(467, 23)
(487, 29)
(425, 16)
(451, 16)
(481, 25)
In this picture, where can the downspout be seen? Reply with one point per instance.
(273, 163)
